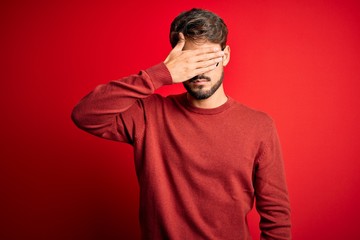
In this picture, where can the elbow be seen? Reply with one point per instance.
(77, 117)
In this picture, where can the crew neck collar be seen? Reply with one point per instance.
(208, 111)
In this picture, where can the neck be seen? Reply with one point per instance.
(214, 101)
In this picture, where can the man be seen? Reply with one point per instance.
(201, 158)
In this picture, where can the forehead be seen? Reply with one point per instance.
(192, 45)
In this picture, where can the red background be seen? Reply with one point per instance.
(297, 60)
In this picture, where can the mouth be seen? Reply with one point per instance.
(200, 80)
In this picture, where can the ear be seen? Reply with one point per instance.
(226, 57)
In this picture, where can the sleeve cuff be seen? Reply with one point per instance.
(159, 75)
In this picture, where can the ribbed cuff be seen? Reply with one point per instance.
(159, 75)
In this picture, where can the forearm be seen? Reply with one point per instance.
(274, 210)
(97, 112)
(272, 200)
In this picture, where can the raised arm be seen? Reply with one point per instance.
(100, 112)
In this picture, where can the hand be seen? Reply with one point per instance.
(184, 65)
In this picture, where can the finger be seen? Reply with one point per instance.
(202, 51)
(181, 36)
(207, 63)
(206, 50)
(207, 56)
(181, 43)
(203, 70)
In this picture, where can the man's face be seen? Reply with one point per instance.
(205, 85)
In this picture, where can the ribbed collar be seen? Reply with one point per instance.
(206, 111)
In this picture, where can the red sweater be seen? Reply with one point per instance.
(199, 170)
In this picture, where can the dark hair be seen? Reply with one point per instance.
(199, 24)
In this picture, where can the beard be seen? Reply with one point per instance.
(197, 92)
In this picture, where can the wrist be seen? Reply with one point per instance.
(160, 75)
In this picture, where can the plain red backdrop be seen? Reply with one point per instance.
(299, 61)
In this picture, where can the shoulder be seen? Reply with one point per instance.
(252, 114)
(158, 101)
(255, 119)
(156, 97)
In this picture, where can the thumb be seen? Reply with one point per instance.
(180, 45)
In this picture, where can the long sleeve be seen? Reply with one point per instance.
(272, 201)
(101, 111)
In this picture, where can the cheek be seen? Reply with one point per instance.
(215, 74)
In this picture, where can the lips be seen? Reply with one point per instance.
(200, 80)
